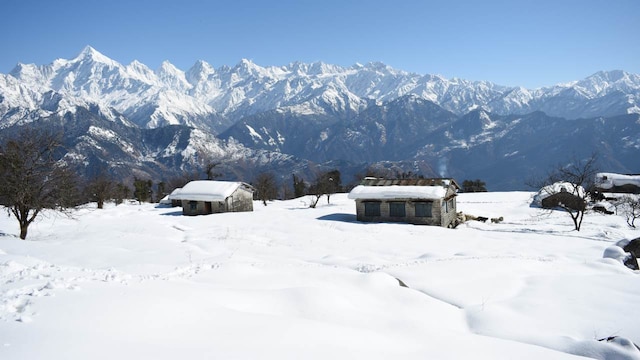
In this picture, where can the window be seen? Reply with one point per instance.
(396, 209)
(371, 208)
(423, 209)
(193, 205)
(447, 206)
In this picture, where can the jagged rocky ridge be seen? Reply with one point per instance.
(165, 120)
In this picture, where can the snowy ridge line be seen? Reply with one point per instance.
(439, 298)
(173, 96)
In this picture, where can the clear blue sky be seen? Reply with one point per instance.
(529, 43)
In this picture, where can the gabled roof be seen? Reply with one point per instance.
(174, 194)
(431, 189)
(209, 190)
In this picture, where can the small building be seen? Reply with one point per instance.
(414, 201)
(617, 183)
(165, 201)
(173, 197)
(564, 199)
(203, 197)
(561, 194)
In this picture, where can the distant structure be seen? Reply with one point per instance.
(561, 194)
(173, 197)
(203, 197)
(617, 183)
(414, 201)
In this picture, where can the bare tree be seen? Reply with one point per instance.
(209, 170)
(101, 188)
(31, 178)
(266, 187)
(327, 183)
(578, 172)
(207, 162)
(630, 207)
(331, 183)
(181, 180)
(314, 200)
(579, 175)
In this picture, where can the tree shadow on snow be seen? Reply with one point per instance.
(351, 218)
(172, 213)
(4, 234)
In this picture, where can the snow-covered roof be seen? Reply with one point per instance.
(207, 190)
(174, 193)
(609, 180)
(362, 192)
(556, 188)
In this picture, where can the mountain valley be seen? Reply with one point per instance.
(299, 118)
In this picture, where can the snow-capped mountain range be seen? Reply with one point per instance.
(204, 96)
(363, 113)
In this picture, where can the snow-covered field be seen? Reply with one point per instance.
(290, 282)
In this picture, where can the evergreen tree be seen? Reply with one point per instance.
(142, 190)
(474, 186)
(299, 187)
(121, 193)
(161, 191)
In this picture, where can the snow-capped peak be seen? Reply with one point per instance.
(167, 67)
(200, 71)
(25, 71)
(247, 66)
(172, 77)
(140, 71)
(604, 82)
(248, 89)
(91, 54)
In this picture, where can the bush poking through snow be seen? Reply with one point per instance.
(629, 346)
(617, 253)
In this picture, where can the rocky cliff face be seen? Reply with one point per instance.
(168, 120)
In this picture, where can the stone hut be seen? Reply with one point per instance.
(203, 197)
(414, 201)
